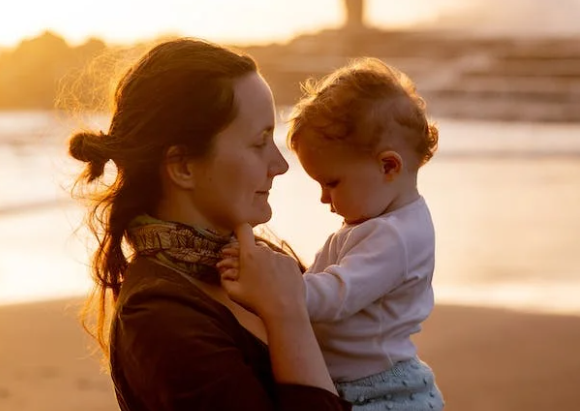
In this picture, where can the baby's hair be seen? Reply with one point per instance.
(367, 104)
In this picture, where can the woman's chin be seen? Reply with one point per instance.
(261, 216)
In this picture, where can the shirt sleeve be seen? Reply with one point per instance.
(372, 261)
(180, 357)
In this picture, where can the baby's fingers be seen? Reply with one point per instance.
(229, 251)
(229, 274)
(228, 262)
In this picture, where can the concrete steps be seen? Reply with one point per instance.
(534, 80)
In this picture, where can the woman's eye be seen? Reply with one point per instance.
(266, 137)
(261, 144)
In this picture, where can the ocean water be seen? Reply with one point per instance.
(505, 199)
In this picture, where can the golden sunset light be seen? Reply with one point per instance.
(416, 160)
(247, 21)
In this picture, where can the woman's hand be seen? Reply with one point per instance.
(261, 280)
(270, 284)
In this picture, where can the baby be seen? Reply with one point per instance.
(362, 134)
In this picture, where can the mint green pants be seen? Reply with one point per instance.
(407, 386)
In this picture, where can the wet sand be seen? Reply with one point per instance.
(485, 359)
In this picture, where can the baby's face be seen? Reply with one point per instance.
(354, 184)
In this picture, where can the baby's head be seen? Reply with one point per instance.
(362, 134)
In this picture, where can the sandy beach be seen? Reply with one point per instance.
(485, 359)
(490, 359)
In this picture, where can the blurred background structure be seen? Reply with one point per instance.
(501, 80)
(461, 74)
(480, 73)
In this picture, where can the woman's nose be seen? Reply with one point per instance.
(325, 196)
(279, 165)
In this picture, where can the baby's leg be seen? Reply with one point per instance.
(408, 386)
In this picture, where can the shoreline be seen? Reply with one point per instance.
(564, 310)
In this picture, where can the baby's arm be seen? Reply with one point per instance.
(372, 262)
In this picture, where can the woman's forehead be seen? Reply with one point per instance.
(255, 102)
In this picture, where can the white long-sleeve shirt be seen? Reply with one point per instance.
(369, 289)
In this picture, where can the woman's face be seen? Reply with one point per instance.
(232, 184)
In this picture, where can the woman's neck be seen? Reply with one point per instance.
(186, 213)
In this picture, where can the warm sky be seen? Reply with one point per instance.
(226, 20)
(255, 21)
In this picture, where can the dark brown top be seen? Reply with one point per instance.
(174, 348)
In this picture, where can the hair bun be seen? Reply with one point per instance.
(88, 147)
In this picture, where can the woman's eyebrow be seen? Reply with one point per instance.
(268, 129)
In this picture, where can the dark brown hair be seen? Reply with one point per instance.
(360, 104)
(180, 93)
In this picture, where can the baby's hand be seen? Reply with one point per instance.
(229, 265)
(261, 280)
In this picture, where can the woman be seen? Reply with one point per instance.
(192, 140)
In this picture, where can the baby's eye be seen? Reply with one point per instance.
(331, 184)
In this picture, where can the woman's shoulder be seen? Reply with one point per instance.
(158, 293)
(159, 308)
(145, 277)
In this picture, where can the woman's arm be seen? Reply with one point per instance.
(294, 352)
(174, 349)
(270, 285)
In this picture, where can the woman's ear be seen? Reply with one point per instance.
(179, 168)
(391, 163)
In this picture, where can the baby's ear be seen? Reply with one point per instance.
(391, 163)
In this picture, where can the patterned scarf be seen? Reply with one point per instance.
(189, 250)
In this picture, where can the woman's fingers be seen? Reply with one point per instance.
(258, 278)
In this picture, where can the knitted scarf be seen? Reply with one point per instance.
(190, 250)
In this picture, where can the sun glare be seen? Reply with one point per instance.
(129, 20)
(408, 13)
(240, 21)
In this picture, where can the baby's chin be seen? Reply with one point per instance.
(357, 219)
